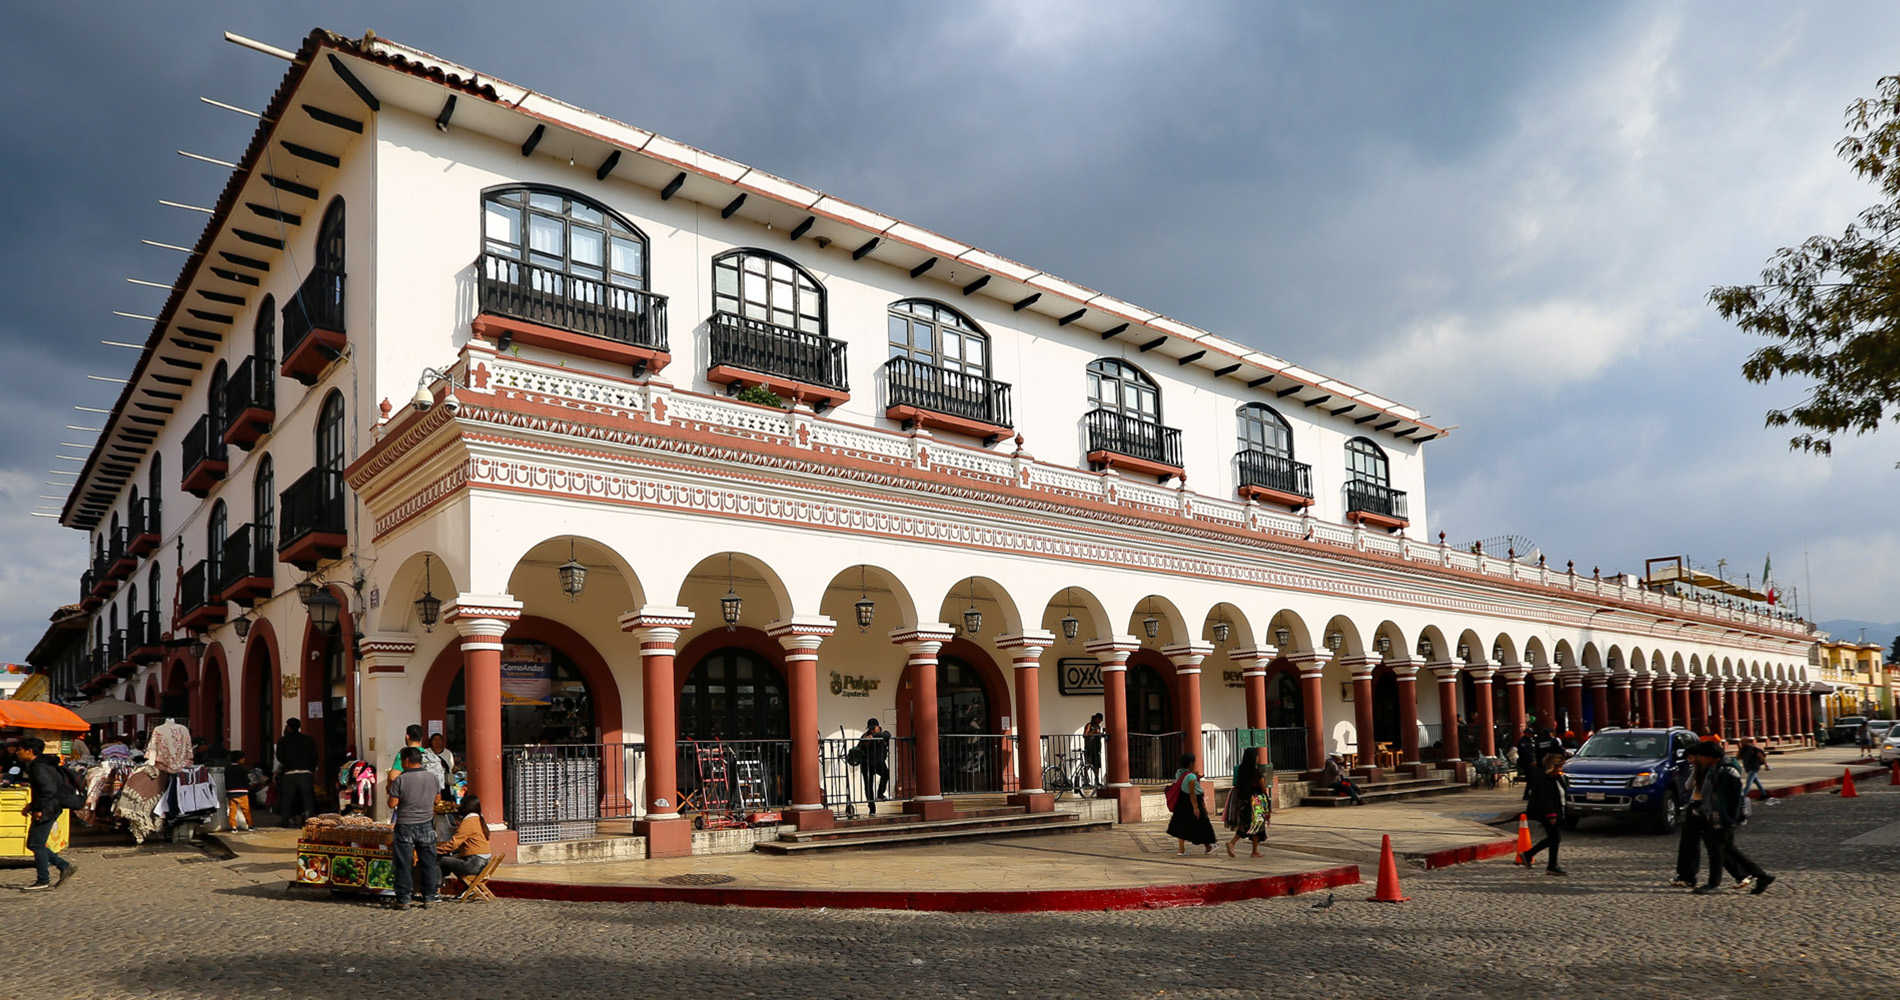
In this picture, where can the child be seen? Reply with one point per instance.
(237, 787)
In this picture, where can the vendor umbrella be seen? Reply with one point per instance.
(111, 708)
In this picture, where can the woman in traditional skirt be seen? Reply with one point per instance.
(1249, 804)
(1190, 824)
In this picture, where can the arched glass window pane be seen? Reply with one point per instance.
(215, 530)
(1366, 463)
(219, 379)
(1119, 386)
(760, 285)
(934, 334)
(564, 232)
(330, 434)
(264, 502)
(264, 335)
(330, 238)
(1263, 430)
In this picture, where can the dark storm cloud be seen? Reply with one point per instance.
(1504, 213)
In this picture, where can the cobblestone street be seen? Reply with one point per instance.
(165, 921)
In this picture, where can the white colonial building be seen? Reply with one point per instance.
(817, 465)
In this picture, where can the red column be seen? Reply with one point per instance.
(1514, 698)
(1644, 697)
(1665, 700)
(1544, 682)
(1446, 674)
(921, 644)
(1744, 710)
(1759, 704)
(1782, 729)
(1312, 667)
(658, 628)
(1600, 701)
(1572, 680)
(1363, 736)
(801, 636)
(482, 621)
(1113, 655)
(1698, 703)
(1806, 701)
(1487, 726)
(1025, 651)
(1253, 675)
(1187, 674)
(1681, 690)
(1725, 712)
(1619, 702)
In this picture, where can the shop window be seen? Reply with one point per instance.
(734, 694)
(544, 700)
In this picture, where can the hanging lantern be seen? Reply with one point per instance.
(972, 619)
(1425, 646)
(1221, 631)
(866, 608)
(306, 589)
(1071, 627)
(1384, 642)
(1464, 652)
(323, 611)
(428, 606)
(242, 626)
(1151, 625)
(1497, 653)
(1281, 637)
(1334, 640)
(198, 646)
(573, 575)
(730, 604)
(1559, 658)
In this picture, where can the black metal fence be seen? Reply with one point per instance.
(977, 764)
(247, 555)
(145, 516)
(1275, 472)
(889, 772)
(1120, 434)
(317, 305)
(194, 588)
(927, 387)
(203, 443)
(1286, 749)
(1374, 498)
(726, 777)
(312, 505)
(541, 295)
(1153, 759)
(142, 632)
(1083, 760)
(562, 792)
(252, 386)
(769, 349)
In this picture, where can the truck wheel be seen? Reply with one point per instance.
(1669, 818)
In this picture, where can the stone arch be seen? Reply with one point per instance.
(1240, 633)
(1171, 627)
(989, 598)
(258, 686)
(892, 604)
(764, 598)
(1090, 614)
(593, 669)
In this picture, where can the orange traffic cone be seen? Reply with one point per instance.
(1388, 876)
(1523, 839)
(1847, 784)
(1893, 775)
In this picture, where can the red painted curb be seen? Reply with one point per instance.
(1461, 855)
(1821, 784)
(1024, 901)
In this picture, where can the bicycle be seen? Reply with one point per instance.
(1069, 773)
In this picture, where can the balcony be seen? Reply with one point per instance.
(1275, 479)
(249, 573)
(198, 607)
(143, 531)
(205, 457)
(89, 598)
(1125, 442)
(250, 403)
(103, 582)
(791, 363)
(923, 394)
(143, 638)
(313, 526)
(313, 326)
(116, 650)
(1376, 505)
(120, 560)
(522, 303)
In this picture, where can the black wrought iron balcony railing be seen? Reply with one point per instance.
(203, 443)
(1363, 497)
(317, 305)
(769, 349)
(1120, 434)
(313, 505)
(145, 517)
(252, 386)
(116, 547)
(116, 647)
(908, 382)
(247, 556)
(142, 632)
(101, 566)
(194, 588)
(547, 297)
(85, 584)
(1276, 472)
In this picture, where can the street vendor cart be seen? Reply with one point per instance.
(57, 726)
(347, 854)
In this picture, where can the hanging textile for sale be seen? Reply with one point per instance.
(169, 747)
(136, 799)
(194, 790)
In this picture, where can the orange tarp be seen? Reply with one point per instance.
(40, 715)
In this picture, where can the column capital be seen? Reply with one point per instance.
(1188, 654)
(481, 611)
(1641, 679)
(1245, 655)
(1698, 682)
(1361, 663)
(1030, 641)
(1443, 670)
(1596, 680)
(1544, 674)
(933, 633)
(1572, 676)
(1301, 657)
(654, 618)
(1679, 683)
(1113, 650)
(802, 631)
(1481, 672)
(1621, 680)
(386, 652)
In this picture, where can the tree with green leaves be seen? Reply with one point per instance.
(1832, 304)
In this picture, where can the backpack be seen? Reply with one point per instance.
(71, 796)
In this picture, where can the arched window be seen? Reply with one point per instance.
(1265, 431)
(934, 334)
(330, 238)
(151, 596)
(734, 694)
(216, 404)
(264, 338)
(763, 286)
(547, 700)
(113, 531)
(1366, 463)
(1119, 386)
(153, 491)
(264, 505)
(215, 531)
(330, 434)
(564, 232)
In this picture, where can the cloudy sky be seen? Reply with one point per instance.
(1506, 214)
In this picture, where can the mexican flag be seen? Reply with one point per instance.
(1767, 578)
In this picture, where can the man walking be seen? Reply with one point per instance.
(1721, 808)
(874, 755)
(42, 811)
(412, 795)
(297, 763)
(1754, 762)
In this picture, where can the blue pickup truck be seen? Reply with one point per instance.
(1631, 773)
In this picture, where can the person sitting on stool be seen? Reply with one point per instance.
(1334, 777)
(467, 853)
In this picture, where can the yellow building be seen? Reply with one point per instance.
(1858, 673)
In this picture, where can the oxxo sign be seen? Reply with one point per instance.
(1079, 676)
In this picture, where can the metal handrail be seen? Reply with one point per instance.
(908, 382)
(1374, 498)
(317, 305)
(1118, 433)
(769, 349)
(550, 297)
(1275, 472)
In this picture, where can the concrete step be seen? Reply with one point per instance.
(934, 832)
(1384, 792)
